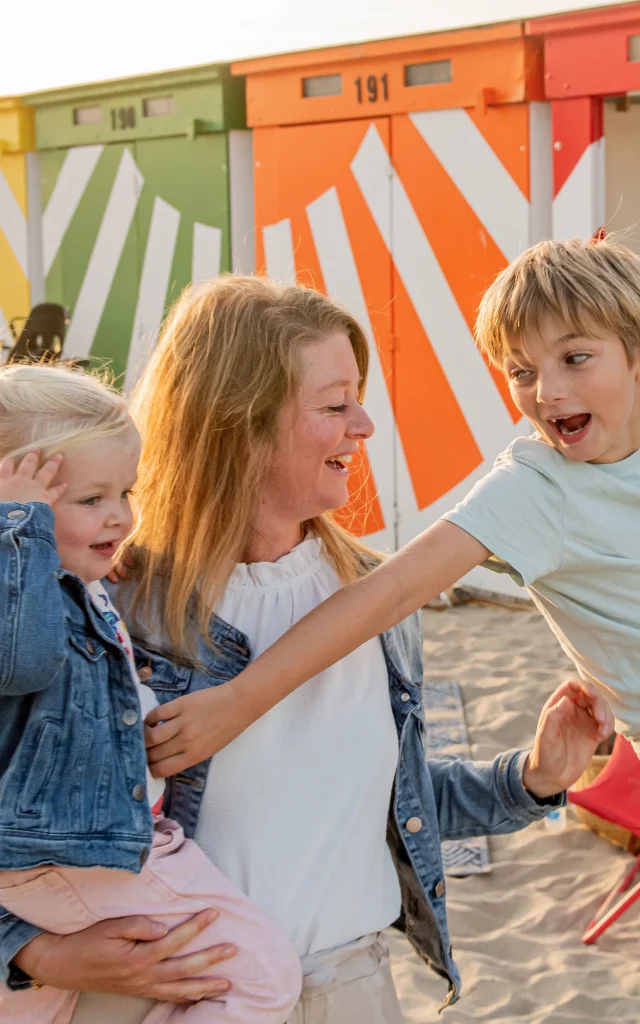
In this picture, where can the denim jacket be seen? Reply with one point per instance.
(72, 757)
(432, 800)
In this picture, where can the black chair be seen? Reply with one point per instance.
(42, 336)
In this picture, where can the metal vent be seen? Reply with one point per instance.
(322, 85)
(87, 115)
(159, 106)
(433, 72)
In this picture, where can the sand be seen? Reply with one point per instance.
(516, 932)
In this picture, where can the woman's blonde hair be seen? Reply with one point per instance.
(587, 285)
(207, 407)
(55, 409)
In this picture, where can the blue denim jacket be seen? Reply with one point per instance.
(446, 800)
(72, 768)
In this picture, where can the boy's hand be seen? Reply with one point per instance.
(120, 572)
(26, 482)
(573, 722)
(193, 728)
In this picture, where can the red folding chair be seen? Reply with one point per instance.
(615, 796)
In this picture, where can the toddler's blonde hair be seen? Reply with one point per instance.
(55, 409)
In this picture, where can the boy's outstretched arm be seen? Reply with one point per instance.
(196, 726)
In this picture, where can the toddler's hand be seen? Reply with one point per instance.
(26, 482)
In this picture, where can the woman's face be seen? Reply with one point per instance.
(319, 430)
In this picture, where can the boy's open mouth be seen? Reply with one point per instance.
(571, 428)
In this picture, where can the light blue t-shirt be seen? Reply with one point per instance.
(570, 533)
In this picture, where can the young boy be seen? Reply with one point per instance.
(560, 511)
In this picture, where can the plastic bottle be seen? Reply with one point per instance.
(556, 820)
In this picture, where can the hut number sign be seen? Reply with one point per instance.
(372, 88)
(123, 118)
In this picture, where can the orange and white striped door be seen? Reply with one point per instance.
(315, 226)
(406, 219)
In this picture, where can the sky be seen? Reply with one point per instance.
(49, 43)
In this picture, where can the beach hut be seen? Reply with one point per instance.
(145, 186)
(20, 274)
(592, 80)
(401, 176)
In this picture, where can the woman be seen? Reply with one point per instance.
(324, 811)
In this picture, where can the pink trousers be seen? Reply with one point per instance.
(177, 882)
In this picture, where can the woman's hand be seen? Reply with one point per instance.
(128, 956)
(573, 722)
(26, 482)
(195, 727)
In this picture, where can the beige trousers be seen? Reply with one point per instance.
(94, 1008)
(361, 990)
(354, 986)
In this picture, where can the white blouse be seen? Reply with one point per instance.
(295, 810)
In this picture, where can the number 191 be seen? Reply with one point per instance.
(374, 91)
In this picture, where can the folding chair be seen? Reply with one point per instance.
(42, 336)
(615, 796)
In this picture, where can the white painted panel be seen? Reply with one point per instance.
(105, 257)
(34, 229)
(6, 337)
(578, 209)
(540, 172)
(278, 252)
(340, 273)
(75, 174)
(478, 175)
(622, 172)
(13, 224)
(433, 300)
(207, 246)
(154, 282)
(243, 231)
(410, 526)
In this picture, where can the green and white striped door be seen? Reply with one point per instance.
(128, 223)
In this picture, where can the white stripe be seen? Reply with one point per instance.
(412, 526)
(6, 337)
(600, 197)
(382, 540)
(207, 245)
(241, 204)
(540, 172)
(34, 228)
(341, 278)
(13, 224)
(579, 205)
(105, 257)
(278, 252)
(154, 282)
(75, 173)
(479, 175)
(432, 298)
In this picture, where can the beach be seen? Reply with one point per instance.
(516, 931)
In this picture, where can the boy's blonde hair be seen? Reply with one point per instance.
(589, 286)
(55, 409)
(207, 407)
